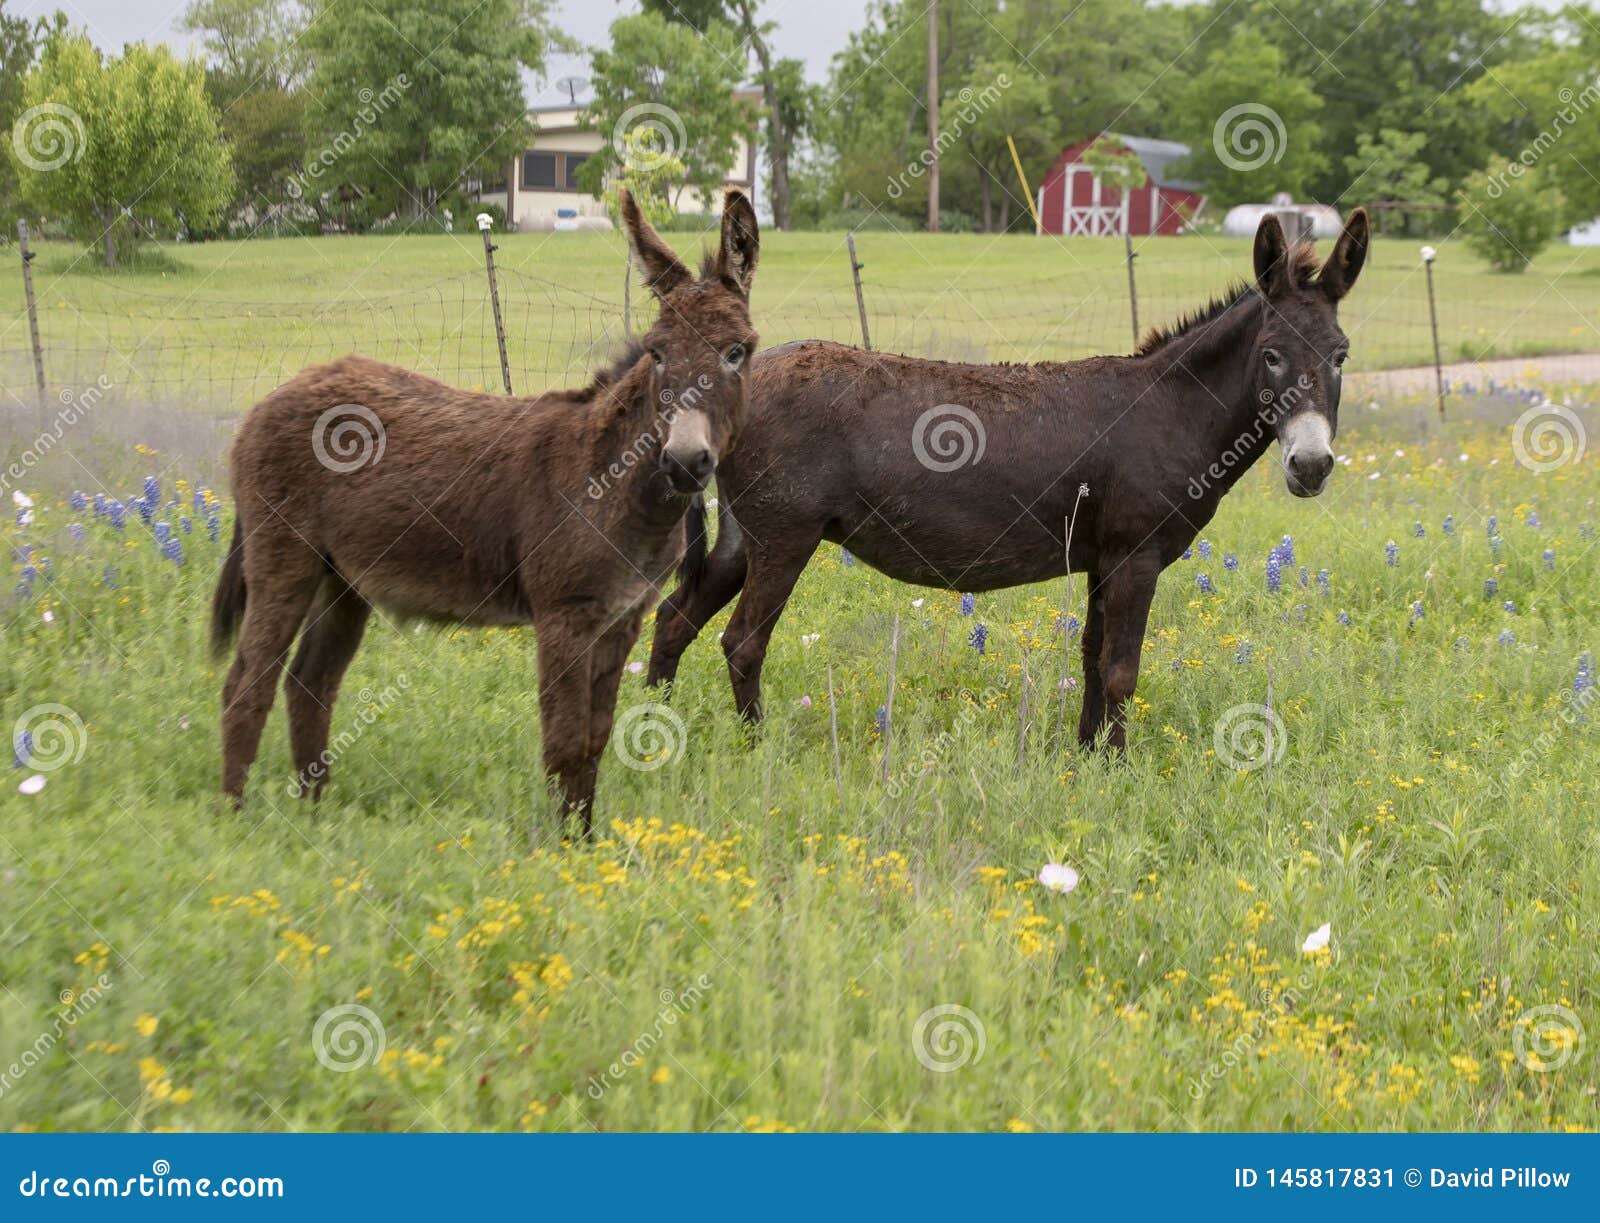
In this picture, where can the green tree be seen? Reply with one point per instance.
(1390, 168)
(665, 77)
(1002, 100)
(1509, 217)
(256, 44)
(20, 40)
(1251, 123)
(411, 96)
(116, 145)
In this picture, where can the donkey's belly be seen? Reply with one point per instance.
(950, 555)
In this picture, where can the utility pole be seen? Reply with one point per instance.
(933, 116)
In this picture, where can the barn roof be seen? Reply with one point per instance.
(1156, 156)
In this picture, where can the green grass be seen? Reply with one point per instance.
(218, 325)
(745, 948)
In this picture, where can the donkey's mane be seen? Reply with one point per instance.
(615, 372)
(1303, 266)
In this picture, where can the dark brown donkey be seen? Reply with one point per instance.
(361, 485)
(964, 477)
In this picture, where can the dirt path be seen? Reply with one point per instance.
(1518, 371)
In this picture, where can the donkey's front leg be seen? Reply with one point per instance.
(1094, 695)
(1129, 587)
(607, 659)
(564, 691)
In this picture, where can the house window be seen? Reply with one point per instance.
(539, 171)
(574, 160)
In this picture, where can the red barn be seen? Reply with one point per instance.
(1073, 201)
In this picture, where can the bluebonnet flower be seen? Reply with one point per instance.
(1286, 549)
(213, 523)
(1507, 637)
(1187, 553)
(1391, 554)
(100, 505)
(979, 638)
(108, 576)
(881, 719)
(186, 525)
(162, 532)
(1533, 519)
(1449, 524)
(1585, 530)
(1274, 572)
(152, 491)
(1416, 611)
(845, 558)
(118, 514)
(1511, 607)
(78, 502)
(1419, 530)
(1550, 559)
(1493, 524)
(1324, 581)
(1462, 645)
(1490, 586)
(1242, 655)
(967, 604)
(22, 750)
(1305, 578)
(1494, 544)
(1068, 625)
(1204, 547)
(1343, 618)
(199, 500)
(173, 550)
(1230, 562)
(1203, 581)
(77, 532)
(25, 584)
(1585, 677)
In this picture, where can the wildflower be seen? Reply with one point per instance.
(1274, 572)
(1511, 607)
(1305, 578)
(78, 502)
(1490, 586)
(1057, 877)
(118, 514)
(1242, 655)
(1391, 554)
(146, 1024)
(1419, 531)
(880, 719)
(22, 750)
(662, 1076)
(978, 638)
(31, 785)
(152, 491)
(1550, 559)
(845, 558)
(1533, 519)
(1204, 548)
(1318, 939)
(25, 582)
(108, 577)
(185, 525)
(1507, 637)
(1230, 561)
(1584, 679)
(1343, 618)
(968, 603)
(1449, 527)
(805, 702)
(1416, 611)
(173, 550)
(635, 667)
(918, 602)
(162, 532)
(1324, 580)
(1069, 625)
(1286, 549)
(1494, 544)
(1492, 525)
(1187, 553)
(1203, 581)
(77, 532)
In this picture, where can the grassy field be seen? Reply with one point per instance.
(218, 325)
(747, 948)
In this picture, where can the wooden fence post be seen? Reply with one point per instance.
(33, 309)
(861, 302)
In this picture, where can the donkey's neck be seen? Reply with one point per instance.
(625, 460)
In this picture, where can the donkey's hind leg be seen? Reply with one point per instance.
(331, 636)
(281, 576)
(689, 608)
(769, 580)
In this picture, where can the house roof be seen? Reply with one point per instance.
(1156, 156)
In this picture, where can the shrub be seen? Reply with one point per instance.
(1508, 216)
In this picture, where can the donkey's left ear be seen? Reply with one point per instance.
(1349, 253)
(740, 247)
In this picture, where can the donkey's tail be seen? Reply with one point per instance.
(227, 604)
(694, 543)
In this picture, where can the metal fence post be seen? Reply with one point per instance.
(1428, 256)
(33, 308)
(1133, 288)
(485, 222)
(861, 302)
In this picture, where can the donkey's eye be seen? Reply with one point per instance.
(1338, 359)
(734, 355)
(661, 362)
(1273, 360)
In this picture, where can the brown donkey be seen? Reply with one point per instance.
(360, 485)
(964, 477)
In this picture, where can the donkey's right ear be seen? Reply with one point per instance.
(662, 271)
(1271, 256)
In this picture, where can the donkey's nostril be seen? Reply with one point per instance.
(702, 464)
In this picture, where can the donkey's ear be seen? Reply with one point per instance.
(1349, 253)
(662, 270)
(1271, 255)
(740, 247)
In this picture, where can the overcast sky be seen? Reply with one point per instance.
(811, 30)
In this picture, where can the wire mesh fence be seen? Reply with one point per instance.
(218, 355)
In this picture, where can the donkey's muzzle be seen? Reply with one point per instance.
(1306, 474)
(690, 472)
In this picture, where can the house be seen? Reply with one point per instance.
(1073, 201)
(540, 188)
